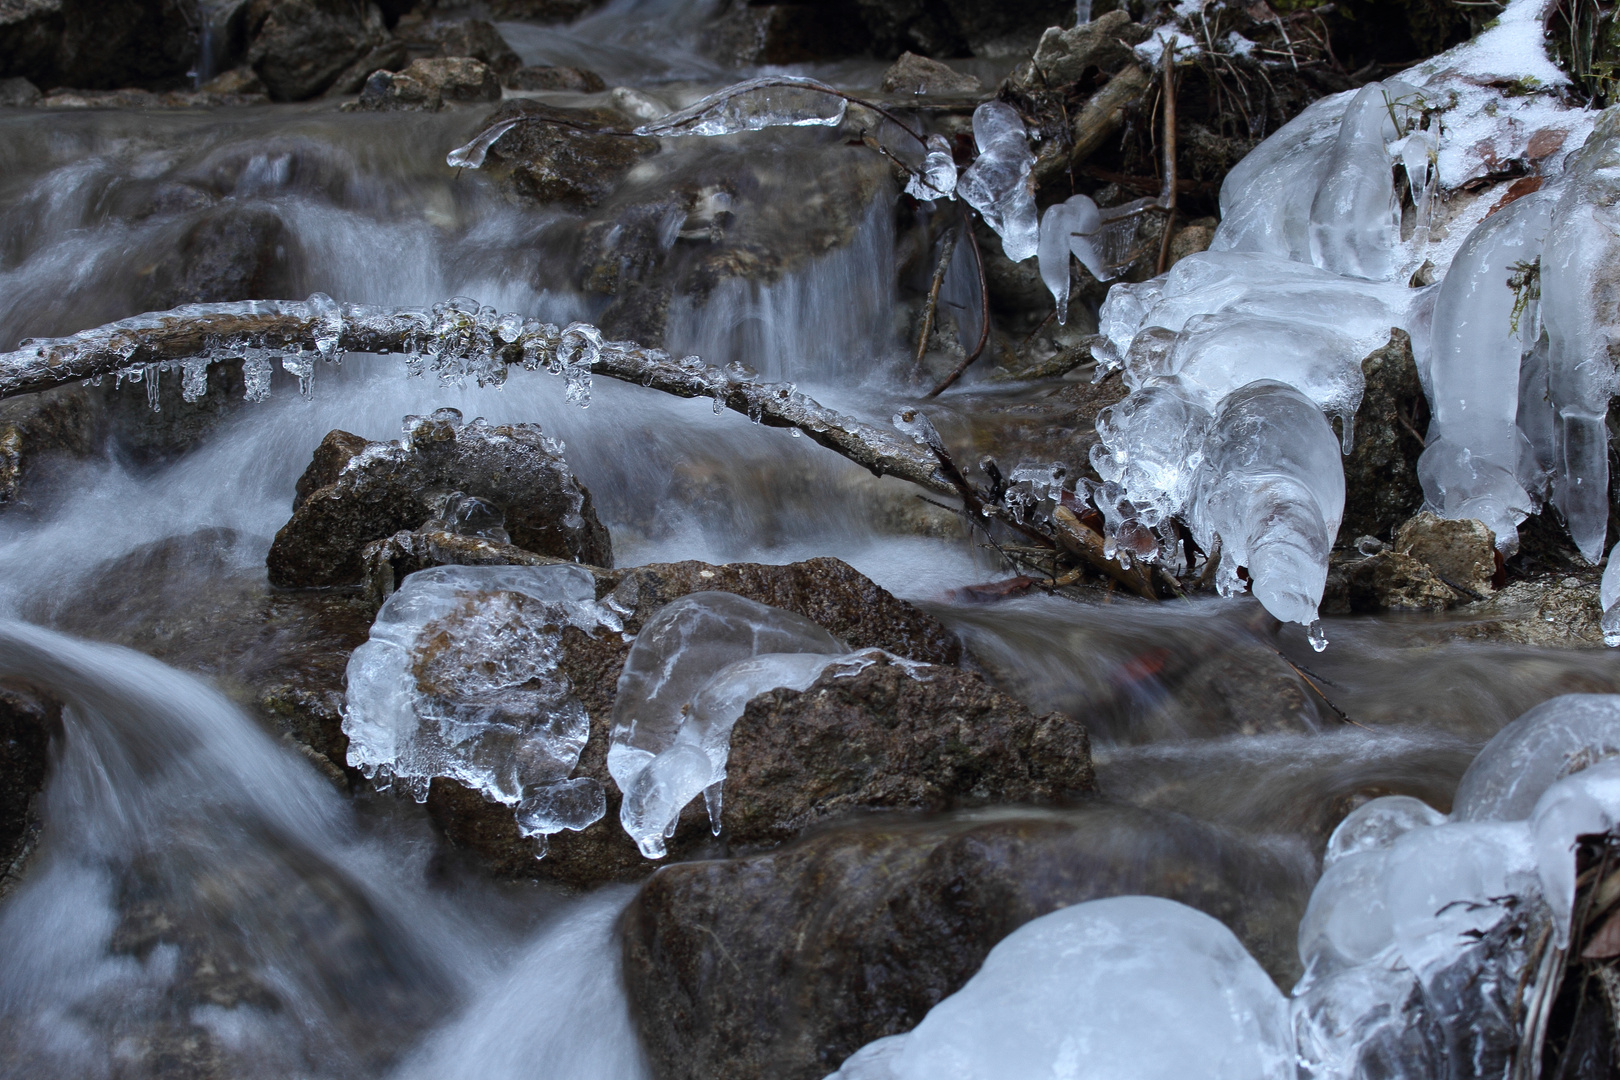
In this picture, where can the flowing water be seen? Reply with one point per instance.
(203, 899)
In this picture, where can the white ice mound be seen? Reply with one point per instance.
(1270, 486)
(1133, 986)
(1528, 756)
(999, 184)
(460, 679)
(1609, 597)
(692, 669)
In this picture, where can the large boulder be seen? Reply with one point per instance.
(782, 964)
(300, 47)
(851, 607)
(348, 501)
(98, 44)
(561, 155)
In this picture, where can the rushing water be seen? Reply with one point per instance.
(323, 936)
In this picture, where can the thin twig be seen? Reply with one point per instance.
(1167, 194)
(984, 311)
(947, 248)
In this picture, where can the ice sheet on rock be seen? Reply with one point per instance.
(1151, 445)
(1586, 803)
(1271, 487)
(1580, 308)
(460, 679)
(1132, 986)
(1355, 222)
(1609, 598)
(695, 762)
(1377, 824)
(1470, 468)
(999, 184)
(1347, 921)
(675, 656)
(1067, 229)
(755, 104)
(1534, 752)
(937, 177)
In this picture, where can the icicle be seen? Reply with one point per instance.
(255, 375)
(472, 155)
(578, 349)
(328, 328)
(193, 378)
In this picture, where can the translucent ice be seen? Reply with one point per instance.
(771, 101)
(460, 679)
(1271, 487)
(1470, 468)
(937, 177)
(675, 656)
(1067, 228)
(1532, 753)
(1132, 986)
(1151, 445)
(1580, 307)
(1609, 597)
(1377, 824)
(1586, 803)
(998, 184)
(1355, 223)
(471, 156)
(1347, 921)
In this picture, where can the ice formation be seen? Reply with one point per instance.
(1069, 227)
(770, 101)
(1609, 597)
(1533, 752)
(1315, 262)
(937, 177)
(692, 669)
(999, 184)
(460, 679)
(1132, 986)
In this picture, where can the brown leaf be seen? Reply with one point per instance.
(1545, 143)
(1524, 185)
(1606, 942)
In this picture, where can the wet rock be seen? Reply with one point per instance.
(556, 156)
(18, 93)
(958, 27)
(238, 80)
(1189, 241)
(913, 74)
(144, 99)
(827, 591)
(231, 252)
(430, 85)
(1381, 487)
(1395, 581)
(97, 44)
(300, 47)
(540, 10)
(1067, 56)
(889, 738)
(1462, 553)
(392, 486)
(782, 964)
(388, 56)
(1558, 611)
(27, 720)
(568, 79)
(746, 34)
(388, 562)
(476, 38)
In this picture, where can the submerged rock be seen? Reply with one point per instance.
(430, 85)
(18, 93)
(749, 33)
(782, 964)
(559, 155)
(386, 487)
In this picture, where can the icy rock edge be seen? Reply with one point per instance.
(1422, 941)
(460, 678)
(690, 674)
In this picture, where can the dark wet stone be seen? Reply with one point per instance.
(27, 720)
(1381, 488)
(782, 964)
(394, 487)
(540, 10)
(827, 591)
(476, 38)
(790, 33)
(943, 28)
(556, 155)
(929, 739)
(232, 252)
(300, 47)
(430, 85)
(390, 55)
(97, 44)
(542, 77)
(16, 93)
(913, 74)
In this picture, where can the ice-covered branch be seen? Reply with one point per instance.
(456, 340)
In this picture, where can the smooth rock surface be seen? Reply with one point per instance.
(913, 74)
(556, 156)
(430, 85)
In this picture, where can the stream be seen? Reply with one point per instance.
(205, 901)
